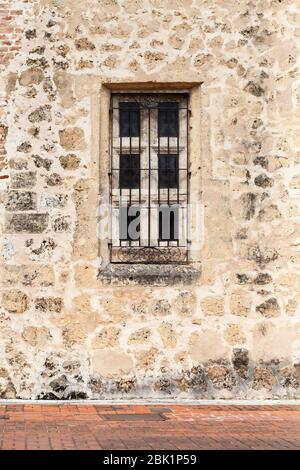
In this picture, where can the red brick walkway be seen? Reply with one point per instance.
(65, 426)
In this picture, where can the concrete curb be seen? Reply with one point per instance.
(154, 402)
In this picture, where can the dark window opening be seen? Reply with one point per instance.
(168, 171)
(168, 223)
(129, 223)
(168, 123)
(129, 171)
(129, 119)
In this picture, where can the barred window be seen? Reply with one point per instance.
(149, 177)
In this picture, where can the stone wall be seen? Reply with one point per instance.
(64, 331)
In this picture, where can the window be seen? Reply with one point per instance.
(167, 171)
(149, 177)
(129, 114)
(130, 175)
(168, 114)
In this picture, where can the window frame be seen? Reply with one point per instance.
(152, 146)
(101, 114)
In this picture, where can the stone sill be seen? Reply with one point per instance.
(148, 274)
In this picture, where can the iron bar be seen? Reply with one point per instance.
(139, 136)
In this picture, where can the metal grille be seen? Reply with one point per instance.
(149, 177)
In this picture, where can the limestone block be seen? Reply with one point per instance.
(168, 335)
(269, 308)
(49, 304)
(263, 378)
(27, 275)
(200, 346)
(221, 376)
(20, 201)
(27, 223)
(145, 360)
(213, 305)
(42, 113)
(240, 303)
(31, 76)
(274, 342)
(23, 179)
(107, 337)
(36, 336)
(15, 301)
(69, 161)
(86, 276)
(234, 334)
(111, 362)
(72, 138)
(140, 336)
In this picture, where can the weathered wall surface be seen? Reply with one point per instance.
(236, 331)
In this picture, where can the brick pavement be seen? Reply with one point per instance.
(92, 426)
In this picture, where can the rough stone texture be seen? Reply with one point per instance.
(29, 223)
(221, 377)
(227, 324)
(72, 138)
(111, 363)
(240, 303)
(213, 306)
(234, 334)
(269, 308)
(43, 113)
(108, 337)
(51, 304)
(199, 347)
(69, 162)
(23, 180)
(240, 362)
(32, 76)
(15, 301)
(20, 201)
(263, 379)
(140, 336)
(36, 336)
(168, 335)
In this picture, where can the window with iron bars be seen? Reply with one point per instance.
(149, 177)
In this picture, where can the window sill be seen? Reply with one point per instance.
(144, 255)
(148, 274)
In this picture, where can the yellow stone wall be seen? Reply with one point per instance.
(234, 332)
